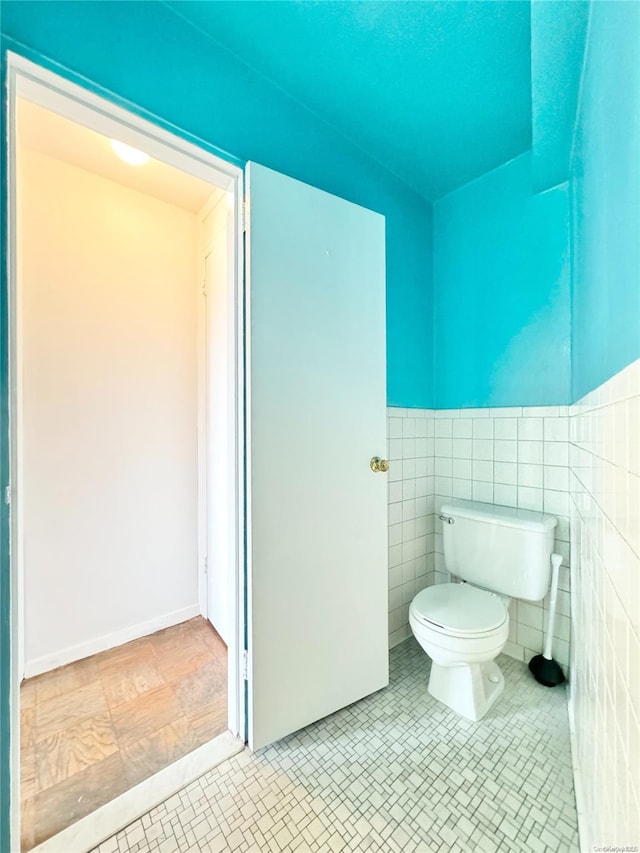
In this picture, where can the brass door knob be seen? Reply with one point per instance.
(378, 466)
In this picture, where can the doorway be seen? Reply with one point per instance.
(116, 566)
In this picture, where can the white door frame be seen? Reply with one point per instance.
(216, 437)
(55, 93)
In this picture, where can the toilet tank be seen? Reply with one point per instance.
(499, 548)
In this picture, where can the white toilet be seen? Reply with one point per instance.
(497, 552)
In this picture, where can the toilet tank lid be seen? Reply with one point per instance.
(506, 516)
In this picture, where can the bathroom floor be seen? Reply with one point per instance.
(394, 772)
(95, 728)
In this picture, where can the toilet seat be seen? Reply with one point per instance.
(459, 610)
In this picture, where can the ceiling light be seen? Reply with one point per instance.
(130, 155)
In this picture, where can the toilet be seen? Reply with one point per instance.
(497, 553)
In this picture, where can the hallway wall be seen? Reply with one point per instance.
(110, 457)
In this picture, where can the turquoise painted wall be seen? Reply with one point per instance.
(606, 199)
(166, 67)
(501, 293)
(558, 33)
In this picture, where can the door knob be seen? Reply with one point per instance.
(378, 466)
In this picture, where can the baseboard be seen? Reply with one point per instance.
(92, 830)
(108, 641)
(577, 775)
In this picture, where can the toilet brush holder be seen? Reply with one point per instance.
(543, 667)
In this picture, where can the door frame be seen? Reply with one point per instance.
(61, 96)
(213, 298)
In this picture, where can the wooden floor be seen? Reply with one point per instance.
(97, 727)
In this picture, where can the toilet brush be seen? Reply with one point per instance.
(544, 668)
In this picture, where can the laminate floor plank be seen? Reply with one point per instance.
(94, 728)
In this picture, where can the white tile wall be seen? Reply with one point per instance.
(581, 464)
(511, 457)
(514, 457)
(411, 537)
(605, 665)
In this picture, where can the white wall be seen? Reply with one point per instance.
(605, 665)
(108, 277)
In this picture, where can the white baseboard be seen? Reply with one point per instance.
(577, 776)
(92, 830)
(107, 641)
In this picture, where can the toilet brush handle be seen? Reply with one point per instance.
(556, 561)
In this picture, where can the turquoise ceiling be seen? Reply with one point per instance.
(438, 92)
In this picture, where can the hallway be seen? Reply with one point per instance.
(95, 728)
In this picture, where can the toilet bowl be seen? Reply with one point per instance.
(462, 629)
(498, 553)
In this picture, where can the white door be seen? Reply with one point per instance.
(317, 549)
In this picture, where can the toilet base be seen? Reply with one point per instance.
(469, 690)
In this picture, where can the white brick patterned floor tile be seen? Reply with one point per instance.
(394, 772)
